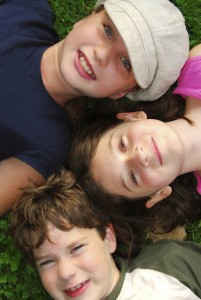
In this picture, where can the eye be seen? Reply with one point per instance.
(126, 63)
(76, 249)
(46, 262)
(133, 177)
(122, 145)
(108, 31)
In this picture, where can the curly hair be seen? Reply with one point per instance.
(62, 202)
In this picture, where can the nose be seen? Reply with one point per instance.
(103, 54)
(66, 270)
(138, 157)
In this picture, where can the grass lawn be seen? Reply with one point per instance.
(17, 280)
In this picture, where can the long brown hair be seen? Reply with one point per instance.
(182, 205)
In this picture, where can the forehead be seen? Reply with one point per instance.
(135, 123)
(55, 235)
(102, 15)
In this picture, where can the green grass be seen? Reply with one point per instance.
(191, 10)
(17, 280)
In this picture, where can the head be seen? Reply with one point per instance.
(181, 205)
(134, 48)
(66, 238)
(94, 60)
(103, 147)
(156, 39)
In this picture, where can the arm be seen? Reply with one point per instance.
(15, 175)
(195, 51)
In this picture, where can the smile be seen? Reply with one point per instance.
(86, 65)
(77, 290)
(157, 152)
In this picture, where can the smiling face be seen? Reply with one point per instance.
(77, 264)
(94, 60)
(138, 158)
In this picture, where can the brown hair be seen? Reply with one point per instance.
(62, 202)
(180, 206)
(102, 116)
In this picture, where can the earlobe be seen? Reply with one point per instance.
(110, 238)
(132, 116)
(159, 196)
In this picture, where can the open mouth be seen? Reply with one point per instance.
(86, 65)
(77, 290)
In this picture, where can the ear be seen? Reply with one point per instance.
(110, 238)
(132, 116)
(118, 95)
(158, 196)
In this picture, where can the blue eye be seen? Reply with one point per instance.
(122, 145)
(133, 177)
(126, 63)
(108, 31)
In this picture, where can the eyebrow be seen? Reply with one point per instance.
(70, 246)
(38, 258)
(110, 143)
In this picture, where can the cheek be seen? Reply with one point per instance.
(48, 280)
(97, 262)
(152, 179)
(157, 179)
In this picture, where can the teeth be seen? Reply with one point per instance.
(77, 286)
(86, 67)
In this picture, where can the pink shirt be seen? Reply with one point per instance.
(189, 84)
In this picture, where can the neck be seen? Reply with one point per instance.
(189, 135)
(53, 81)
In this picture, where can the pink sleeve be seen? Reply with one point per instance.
(189, 82)
(198, 182)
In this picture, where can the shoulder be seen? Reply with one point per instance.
(169, 252)
(195, 51)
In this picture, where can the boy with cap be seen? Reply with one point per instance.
(131, 46)
(71, 243)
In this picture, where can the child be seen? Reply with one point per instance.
(124, 46)
(71, 244)
(141, 156)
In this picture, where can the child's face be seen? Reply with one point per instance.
(77, 264)
(94, 60)
(139, 158)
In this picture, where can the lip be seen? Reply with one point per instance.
(78, 289)
(157, 152)
(83, 73)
